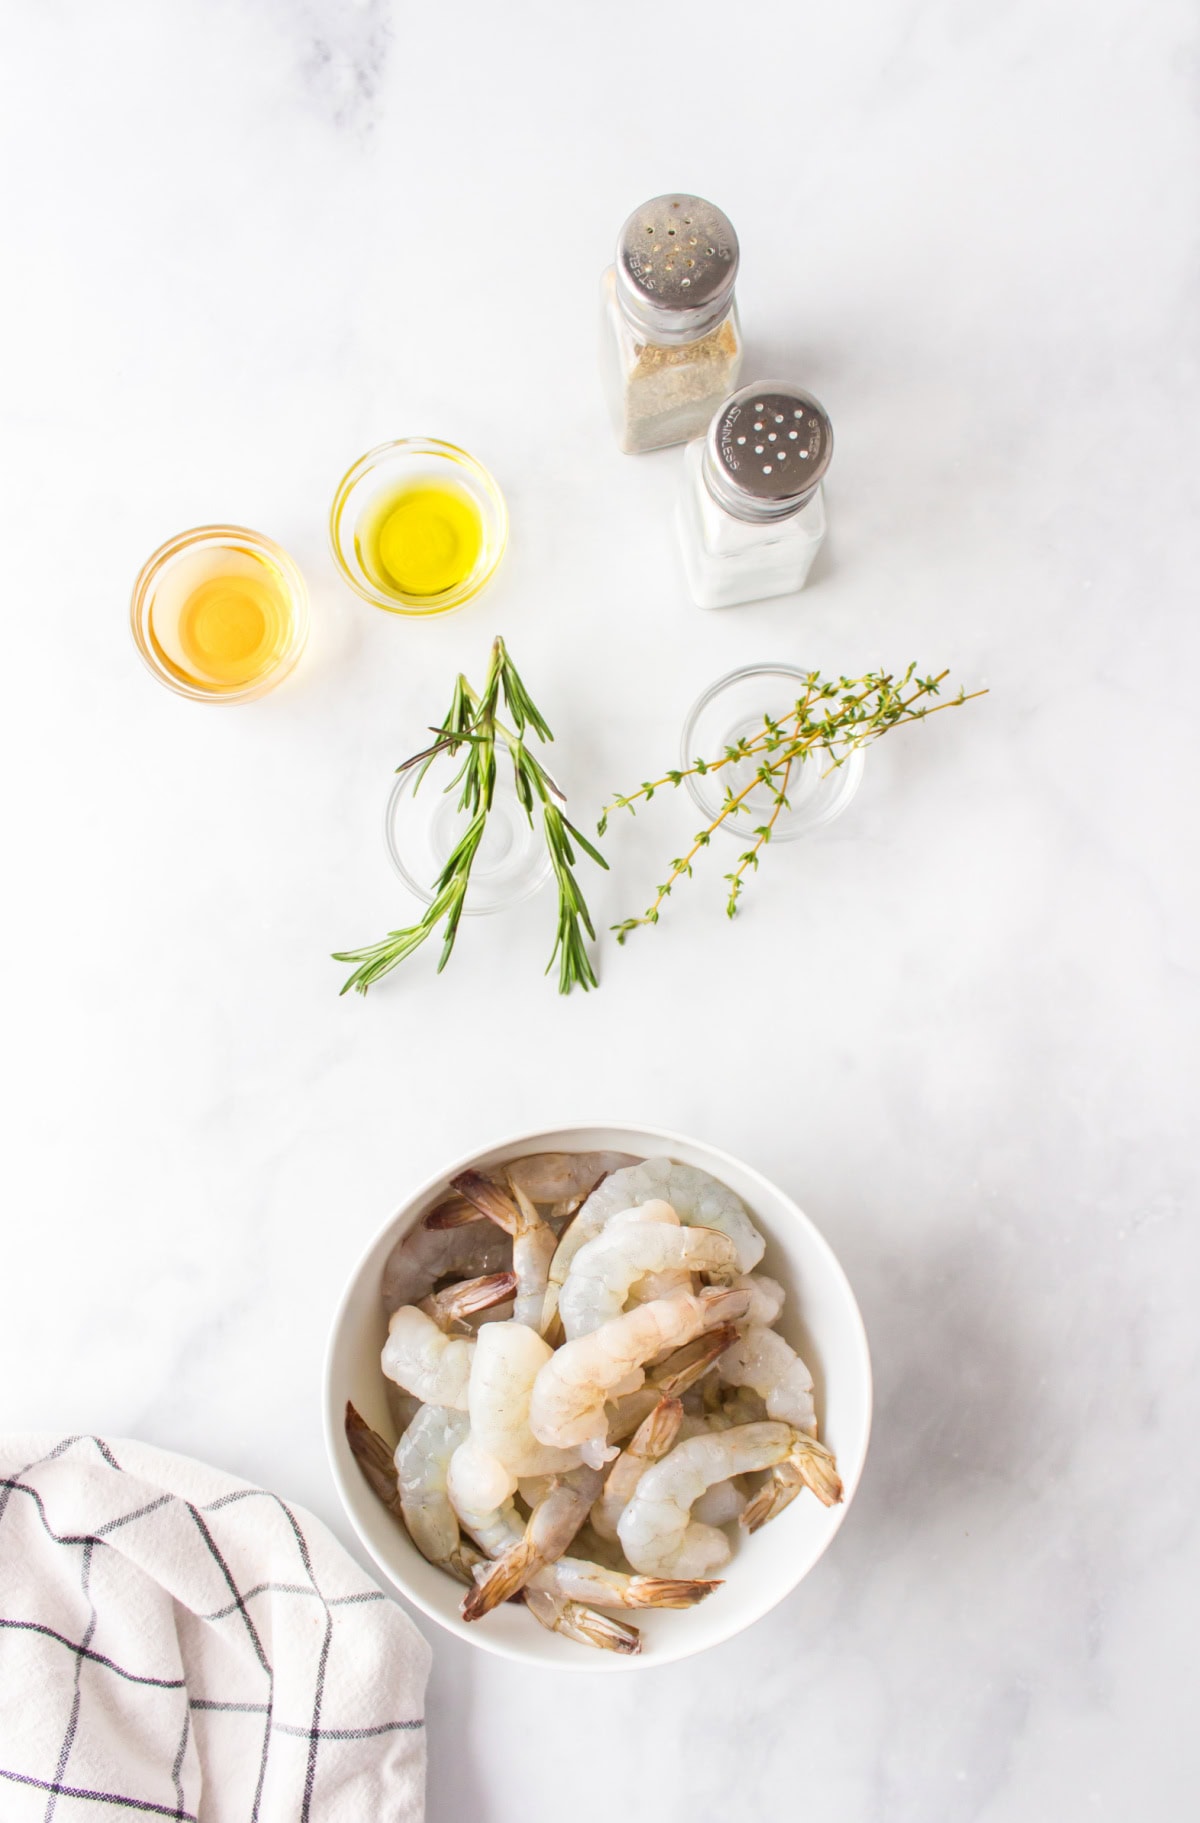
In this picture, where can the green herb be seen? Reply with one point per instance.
(472, 727)
(833, 717)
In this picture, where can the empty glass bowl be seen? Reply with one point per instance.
(423, 827)
(732, 710)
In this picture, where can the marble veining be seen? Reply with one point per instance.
(247, 241)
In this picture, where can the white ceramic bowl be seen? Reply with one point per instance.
(820, 1319)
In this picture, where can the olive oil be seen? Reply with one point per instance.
(220, 613)
(421, 539)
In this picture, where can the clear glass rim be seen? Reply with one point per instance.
(234, 536)
(405, 785)
(852, 766)
(419, 606)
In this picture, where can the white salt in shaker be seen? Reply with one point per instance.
(671, 347)
(751, 514)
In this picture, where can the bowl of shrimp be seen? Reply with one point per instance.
(597, 1397)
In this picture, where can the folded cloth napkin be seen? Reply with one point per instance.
(177, 1643)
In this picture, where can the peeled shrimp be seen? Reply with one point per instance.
(425, 1361)
(506, 1362)
(671, 1379)
(567, 1406)
(560, 1177)
(424, 1255)
(422, 1462)
(604, 1271)
(696, 1198)
(767, 1297)
(533, 1240)
(551, 1526)
(495, 1530)
(761, 1360)
(657, 1532)
(649, 1442)
(420, 1500)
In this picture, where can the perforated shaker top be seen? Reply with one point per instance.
(768, 448)
(677, 259)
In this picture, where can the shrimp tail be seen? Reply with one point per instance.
(667, 1591)
(373, 1457)
(817, 1469)
(502, 1579)
(810, 1465)
(453, 1212)
(470, 1296)
(691, 1362)
(489, 1199)
(584, 1625)
(724, 1304)
(654, 1437)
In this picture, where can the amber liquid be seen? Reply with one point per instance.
(221, 617)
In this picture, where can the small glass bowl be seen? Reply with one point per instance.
(422, 828)
(404, 462)
(198, 549)
(733, 709)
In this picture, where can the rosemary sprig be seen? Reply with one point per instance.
(471, 728)
(834, 716)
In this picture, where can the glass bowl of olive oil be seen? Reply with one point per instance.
(220, 614)
(418, 526)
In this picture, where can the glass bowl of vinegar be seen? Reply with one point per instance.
(220, 614)
(418, 526)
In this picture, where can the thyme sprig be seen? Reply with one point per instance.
(834, 717)
(471, 729)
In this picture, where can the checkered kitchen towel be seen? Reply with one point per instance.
(176, 1643)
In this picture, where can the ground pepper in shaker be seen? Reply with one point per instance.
(751, 513)
(671, 347)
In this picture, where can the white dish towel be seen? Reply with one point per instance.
(177, 1643)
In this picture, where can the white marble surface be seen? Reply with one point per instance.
(247, 240)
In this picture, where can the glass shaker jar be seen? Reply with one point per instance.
(752, 512)
(671, 347)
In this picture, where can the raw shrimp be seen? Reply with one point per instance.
(425, 1361)
(561, 1177)
(432, 1524)
(507, 1360)
(650, 1441)
(767, 1297)
(652, 1284)
(584, 1625)
(533, 1240)
(550, 1528)
(456, 1303)
(603, 1272)
(657, 1532)
(569, 1393)
(571, 1578)
(695, 1197)
(720, 1504)
(672, 1379)
(424, 1255)
(422, 1461)
(761, 1360)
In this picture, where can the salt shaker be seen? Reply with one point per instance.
(671, 347)
(752, 511)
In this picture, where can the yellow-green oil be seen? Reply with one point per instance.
(420, 540)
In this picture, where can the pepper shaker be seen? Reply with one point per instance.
(751, 514)
(671, 346)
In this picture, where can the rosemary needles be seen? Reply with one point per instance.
(473, 732)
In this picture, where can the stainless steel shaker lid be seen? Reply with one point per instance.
(767, 450)
(677, 259)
